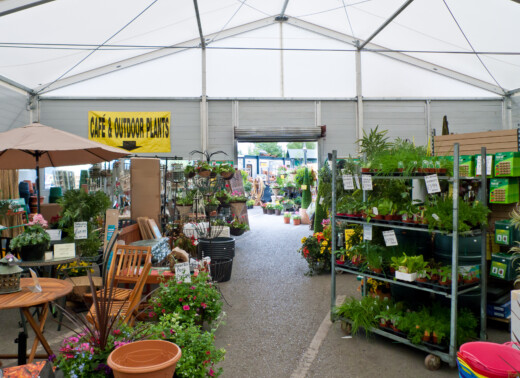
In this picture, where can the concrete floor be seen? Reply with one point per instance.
(277, 318)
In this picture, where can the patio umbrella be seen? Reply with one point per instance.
(39, 146)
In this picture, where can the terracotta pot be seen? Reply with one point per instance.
(296, 222)
(445, 283)
(426, 336)
(423, 279)
(146, 358)
(286, 220)
(377, 270)
(389, 217)
(379, 217)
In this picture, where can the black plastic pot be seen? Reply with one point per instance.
(221, 270)
(33, 252)
(221, 248)
(235, 231)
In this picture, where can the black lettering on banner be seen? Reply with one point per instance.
(148, 126)
(141, 128)
(102, 125)
(167, 128)
(109, 127)
(92, 126)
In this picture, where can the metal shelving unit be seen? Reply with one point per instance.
(451, 356)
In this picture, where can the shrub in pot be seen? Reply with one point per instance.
(32, 243)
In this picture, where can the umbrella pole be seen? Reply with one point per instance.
(38, 179)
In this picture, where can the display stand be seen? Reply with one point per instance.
(451, 356)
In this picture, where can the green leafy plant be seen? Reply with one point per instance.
(373, 142)
(306, 193)
(287, 215)
(296, 216)
(199, 353)
(33, 235)
(361, 313)
(386, 207)
(250, 202)
(439, 214)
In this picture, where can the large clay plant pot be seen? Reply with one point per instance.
(145, 358)
(33, 252)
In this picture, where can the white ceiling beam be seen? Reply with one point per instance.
(160, 53)
(13, 85)
(13, 6)
(398, 56)
(385, 24)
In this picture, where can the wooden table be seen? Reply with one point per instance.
(52, 289)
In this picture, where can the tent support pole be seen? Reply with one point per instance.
(37, 156)
(359, 95)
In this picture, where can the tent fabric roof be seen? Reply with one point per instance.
(78, 41)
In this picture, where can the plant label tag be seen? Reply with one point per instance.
(80, 230)
(54, 234)
(489, 165)
(182, 272)
(356, 177)
(304, 187)
(375, 211)
(436, 217)
(36, 288)
(64, 251)
(367, 231)
(432, 184)
(390, 238)
(321, 200)
(348, 182)
(366, 181)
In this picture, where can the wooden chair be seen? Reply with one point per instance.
(124, 268)
(127, 310)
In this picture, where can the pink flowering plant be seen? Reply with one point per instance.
(197, 301)
(84, 355)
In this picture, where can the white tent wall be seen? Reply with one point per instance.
(72, 116)
(220, 129)
(13, 108)
(412, 119)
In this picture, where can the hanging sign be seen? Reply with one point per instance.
(367, 231)
(135, 132)
(348, 182)
(366, 181)
(390, 238)
(432, 184)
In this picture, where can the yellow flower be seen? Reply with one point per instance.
(304, 240)
(325, 242)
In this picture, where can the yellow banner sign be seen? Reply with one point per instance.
(132, 131)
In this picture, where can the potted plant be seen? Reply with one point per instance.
(287, 217)
(270, 209)
(386, 209)
(189, 171)
(203, 169)
(278, 209)
(423, 272)
(264, 207)
(223, 196)
(408, 211)
(211, 204)
(374, 259)
(32, 243)
(445, 275)
(226, 171)
(288, 205)
(275, 188)
(296, 218)
(236, 228)
(250, 203)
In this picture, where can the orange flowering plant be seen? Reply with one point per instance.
(316, 249)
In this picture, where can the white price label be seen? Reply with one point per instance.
(375, 211)
(322, 200)
(390, 238)
(489, 165)
(356, 177)
(432, 184)
(80, 230)
(182, 272)
(436, 217)
(366, 181)
(367, 231)
(348, 182)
